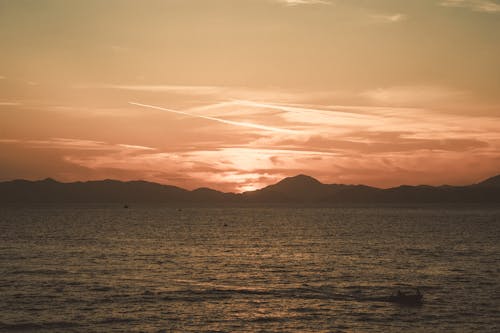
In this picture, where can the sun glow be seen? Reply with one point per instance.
(251, 93)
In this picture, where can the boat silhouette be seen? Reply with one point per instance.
(405, 299)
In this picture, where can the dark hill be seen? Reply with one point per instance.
(296, 183)
(49, 190)
(298, 190)
(491, 182)
(306, 189)
(204, 194)
(291, 189)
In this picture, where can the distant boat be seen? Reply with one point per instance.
(409, 300)
(125, 206)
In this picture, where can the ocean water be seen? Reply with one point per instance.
(154, 269)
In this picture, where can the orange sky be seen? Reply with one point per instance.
(235, 95)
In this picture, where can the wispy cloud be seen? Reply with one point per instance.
(343, 144)
(221, 93)
(68, 143)
(135, 147)
(412, 95)
(78, 145)
(220, 120)
(389, 18)
(304, 2)
(176, 89)
(252, 138)
(485, 6)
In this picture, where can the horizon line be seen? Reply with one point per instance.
(209, 188)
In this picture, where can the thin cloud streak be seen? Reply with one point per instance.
(319, 118)
(224, 121)
(394, 18)
(485, 6)
(178, 89)
(304, 2)
(77, 145)
(135, 147)
(297, 108)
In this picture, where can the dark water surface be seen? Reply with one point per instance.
(152, 269)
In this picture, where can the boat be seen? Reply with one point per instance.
(404, 299)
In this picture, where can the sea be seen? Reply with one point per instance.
(166, 269)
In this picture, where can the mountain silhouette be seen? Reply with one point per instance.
(491, 182)
(297, 183)
(298, 190)
(307, 189)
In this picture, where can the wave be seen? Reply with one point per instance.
(218, 293)
(39, 272)
(115, 320)
(27, 326)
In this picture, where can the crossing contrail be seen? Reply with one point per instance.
(224, 121)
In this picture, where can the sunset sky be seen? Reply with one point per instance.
(237, 94)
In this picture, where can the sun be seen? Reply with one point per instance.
(249, 187)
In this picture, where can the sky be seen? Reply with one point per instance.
(238, 94)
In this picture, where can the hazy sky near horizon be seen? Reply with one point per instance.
(237, 94)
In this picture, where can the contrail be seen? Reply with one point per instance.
(284, 107)
(224, 121)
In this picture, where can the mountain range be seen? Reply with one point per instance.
(298, 190)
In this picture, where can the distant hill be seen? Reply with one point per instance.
(491, 182)
(306, 189)
(49, 190)
(298, 190)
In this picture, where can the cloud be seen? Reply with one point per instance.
(413, 95)
(244, 168)
(485, 6)
(176, 89)
(304, 2)
(232, 168)
(77, 144)
(66, 143)
(219, 93)
(393, 135)
(224, 121)
(135, 147)
(392, 18)
(380, 146)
